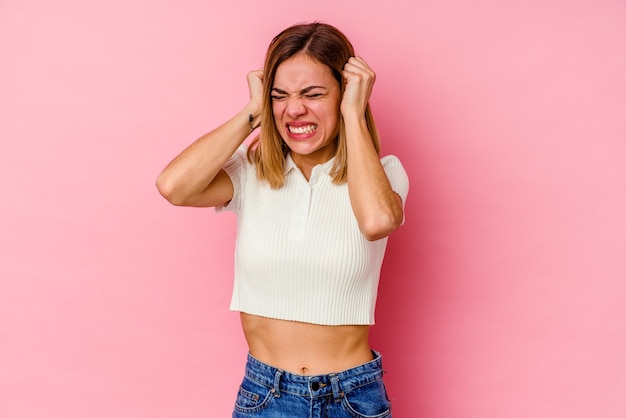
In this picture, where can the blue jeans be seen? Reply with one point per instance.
(268, 392)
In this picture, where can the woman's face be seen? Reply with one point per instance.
(305, 103)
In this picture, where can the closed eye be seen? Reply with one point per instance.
(307, 93)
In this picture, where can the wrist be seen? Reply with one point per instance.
(252, 115)
(354, 118)
(352, 113)
(253, 122)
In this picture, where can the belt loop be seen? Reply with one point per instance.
(276, 388)
(337, 393)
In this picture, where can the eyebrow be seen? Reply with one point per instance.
(303, 91)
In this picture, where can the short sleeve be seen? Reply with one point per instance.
(235, 168)
(397, 176)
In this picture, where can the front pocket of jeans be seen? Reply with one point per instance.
(252, 397)
(369, 401)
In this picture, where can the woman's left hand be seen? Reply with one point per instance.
(359, 83)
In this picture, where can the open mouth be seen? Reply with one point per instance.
(300, 130)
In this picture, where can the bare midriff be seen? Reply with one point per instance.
(306, 349)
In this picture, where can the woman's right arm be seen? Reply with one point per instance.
(195, 177)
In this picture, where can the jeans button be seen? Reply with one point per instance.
(315, 386)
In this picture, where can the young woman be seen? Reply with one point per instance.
(315, 205)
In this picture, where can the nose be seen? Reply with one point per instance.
(295, 107)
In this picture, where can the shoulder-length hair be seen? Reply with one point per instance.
(328, 46)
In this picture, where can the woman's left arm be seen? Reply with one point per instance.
(378, 209)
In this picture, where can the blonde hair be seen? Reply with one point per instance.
(328, 46)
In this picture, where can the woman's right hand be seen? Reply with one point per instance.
(255, 85)
(195, 177)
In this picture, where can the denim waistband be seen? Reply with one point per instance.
(335, 384)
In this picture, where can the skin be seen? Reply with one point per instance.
(305, 96)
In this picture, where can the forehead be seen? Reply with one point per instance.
(301, 71)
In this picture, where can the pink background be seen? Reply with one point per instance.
(502, 296)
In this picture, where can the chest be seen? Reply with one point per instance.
(301, 227)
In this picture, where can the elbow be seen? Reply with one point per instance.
(381, 221)
(167, 188)
(380, 227)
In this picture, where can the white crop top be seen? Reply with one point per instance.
(299, 253)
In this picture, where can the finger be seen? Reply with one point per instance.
(354, 67)
(360, 63)
(361, 68)
(255, 75)
(358, 76)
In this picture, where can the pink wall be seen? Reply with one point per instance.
(501, 297)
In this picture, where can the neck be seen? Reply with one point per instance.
(306, 162)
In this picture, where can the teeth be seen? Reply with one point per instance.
(302, 129)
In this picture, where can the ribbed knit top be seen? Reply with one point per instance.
(299, 253)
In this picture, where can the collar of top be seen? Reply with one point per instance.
(324, 167)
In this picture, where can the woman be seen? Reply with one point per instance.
(315, 205)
